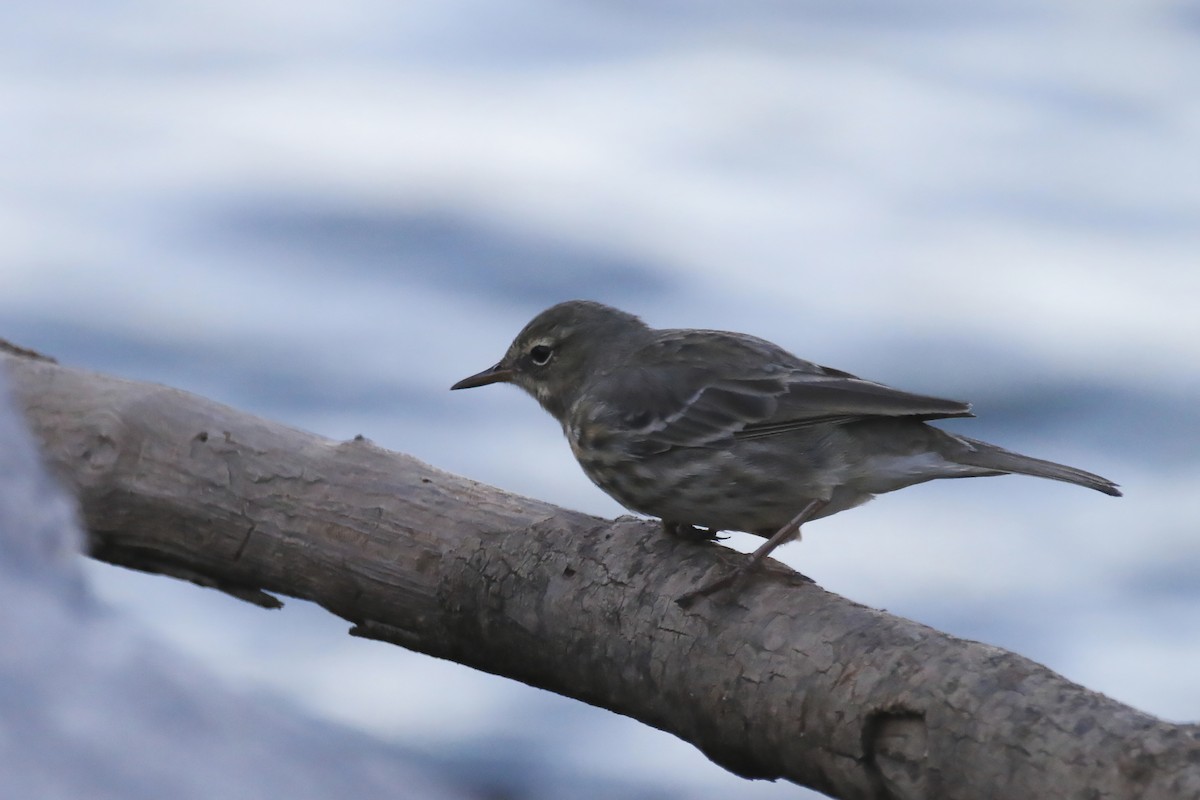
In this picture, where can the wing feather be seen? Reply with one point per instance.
(686, 393)
(809, 401)
(694, 408)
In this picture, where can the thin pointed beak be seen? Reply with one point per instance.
(493, 374)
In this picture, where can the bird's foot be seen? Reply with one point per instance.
(733, 580)
(733, 576)
(692, 533)
(788, 531)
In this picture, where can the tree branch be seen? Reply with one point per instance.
(787, 680)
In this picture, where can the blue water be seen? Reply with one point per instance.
(327, 214)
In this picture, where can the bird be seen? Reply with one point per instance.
(713, 431)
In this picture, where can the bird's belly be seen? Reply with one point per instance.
(718, 489)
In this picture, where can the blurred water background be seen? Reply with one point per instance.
(327, 212)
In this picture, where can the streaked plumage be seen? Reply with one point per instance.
(730, 432)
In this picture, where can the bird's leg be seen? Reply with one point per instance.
(779, 537)
(691, 533)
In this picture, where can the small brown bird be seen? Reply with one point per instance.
(711, 430)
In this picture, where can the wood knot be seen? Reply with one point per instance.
(896, 749)
(101, 447)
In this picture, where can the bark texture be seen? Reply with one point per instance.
(786, 681)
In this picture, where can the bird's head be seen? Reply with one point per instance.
(560, 349)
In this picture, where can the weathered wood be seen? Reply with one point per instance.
(786, 681)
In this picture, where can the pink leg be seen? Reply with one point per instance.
(782, 535)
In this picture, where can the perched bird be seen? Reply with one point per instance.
(712, 430)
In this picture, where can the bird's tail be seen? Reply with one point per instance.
(975, 453)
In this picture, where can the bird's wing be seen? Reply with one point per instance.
(671, 406)
(810, 400)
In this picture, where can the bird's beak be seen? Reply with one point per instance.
(493, 374)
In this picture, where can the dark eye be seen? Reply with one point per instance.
(540, 354)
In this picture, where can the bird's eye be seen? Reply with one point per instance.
(540, 354)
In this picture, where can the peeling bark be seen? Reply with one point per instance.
(785, 681)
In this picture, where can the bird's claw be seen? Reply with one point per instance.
(725, 581)
(692, 533)
(730, 580)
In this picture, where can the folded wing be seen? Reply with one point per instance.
(690, 406)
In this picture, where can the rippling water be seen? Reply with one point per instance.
(326, 213)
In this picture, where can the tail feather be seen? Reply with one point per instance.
(975, 453)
